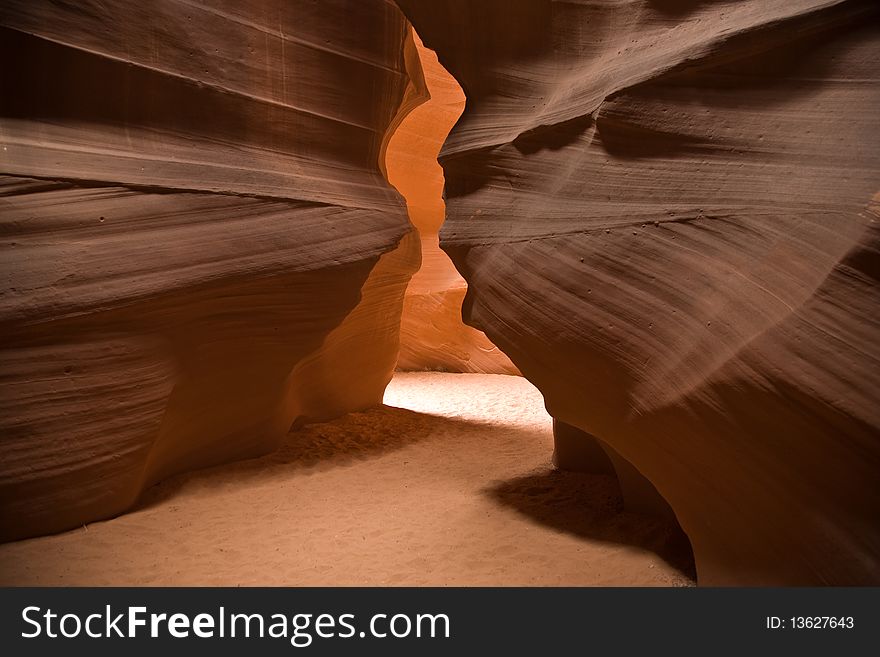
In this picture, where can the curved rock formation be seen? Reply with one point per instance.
(664, 213)
(432, 334)
(197, 234)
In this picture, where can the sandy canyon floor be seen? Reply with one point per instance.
(450, 483)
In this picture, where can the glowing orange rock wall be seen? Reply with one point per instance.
(432, 334)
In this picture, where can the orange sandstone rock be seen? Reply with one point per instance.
(432, 334)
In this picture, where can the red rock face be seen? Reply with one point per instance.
(200, 246)
(666, 213)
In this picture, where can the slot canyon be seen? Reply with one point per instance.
(440, 293)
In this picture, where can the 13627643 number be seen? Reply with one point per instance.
(821, 622)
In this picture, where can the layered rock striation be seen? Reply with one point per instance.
(199, 243)
(666, 213)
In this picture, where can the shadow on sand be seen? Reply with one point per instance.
(591, 507)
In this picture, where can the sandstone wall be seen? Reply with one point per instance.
(199, 243)
(432, 334)
(666, 213)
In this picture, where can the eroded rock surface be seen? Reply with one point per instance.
(432, 334)
(666, 214)
(199, 243)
